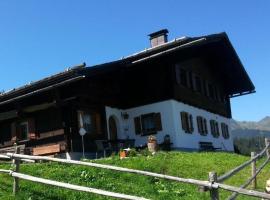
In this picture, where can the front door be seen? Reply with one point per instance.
(112, 128)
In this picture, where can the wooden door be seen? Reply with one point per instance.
(113, 128)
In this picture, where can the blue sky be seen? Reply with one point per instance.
(39, 38)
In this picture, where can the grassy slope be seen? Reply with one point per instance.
(189, 165)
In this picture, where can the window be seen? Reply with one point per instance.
(211, 91)
(138, 126)
(148, 124)
(187, 122)
(198, 83)
(204, 86)
(87, 122)
(202, 125)
(190, 77)
(214, 128)
(218, 95)
(23, 130)
(225, 131)
(183, 77)
(91, 122)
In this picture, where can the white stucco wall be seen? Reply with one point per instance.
(171, 124)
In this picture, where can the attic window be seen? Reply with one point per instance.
(198, 83)
(183, 77)
(211, 91)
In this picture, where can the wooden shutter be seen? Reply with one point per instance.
(183, 121)
(212, 127)
(205, 131)
(190, 124)
(32, 129)
(13, 132)
(217, 129)
(199, 124)
(138, 126)
(222, 130)
(158, 122)
(98, 123)
(227, 130)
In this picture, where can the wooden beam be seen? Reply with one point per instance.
(38, 107)
(8, 115)
(51, 133)
(46, 150)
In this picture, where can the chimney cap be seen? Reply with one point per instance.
(158, 33)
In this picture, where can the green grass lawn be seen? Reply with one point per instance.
(187, 165)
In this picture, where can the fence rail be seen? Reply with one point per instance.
(242, 166)
(70, 186)
(212, 185)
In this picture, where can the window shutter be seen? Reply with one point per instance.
(227, 130)
(158, 122)
(217, 129)
(190, 127)
(222, 130)
(31, 129)
(98, 123)
(202, 125)
(138, 126)
(205, 131)
(183, 121)
(199, 124)
(212, 127)
(13, 132)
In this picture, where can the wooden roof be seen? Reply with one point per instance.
(218, 45)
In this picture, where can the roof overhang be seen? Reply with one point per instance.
(218, 48)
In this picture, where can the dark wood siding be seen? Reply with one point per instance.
(205, 89)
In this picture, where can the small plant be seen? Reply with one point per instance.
(132, 153)
(145, 152)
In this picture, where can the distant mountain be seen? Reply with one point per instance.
(251, 128)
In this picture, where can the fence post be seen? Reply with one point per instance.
(16, 162)
(253, 170)
(213, 191)
(267, 142)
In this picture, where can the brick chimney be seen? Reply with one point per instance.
(159, 37)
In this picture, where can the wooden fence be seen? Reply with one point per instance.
(212, 185)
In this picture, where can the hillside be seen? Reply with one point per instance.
(251, 128)
(188, 165)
